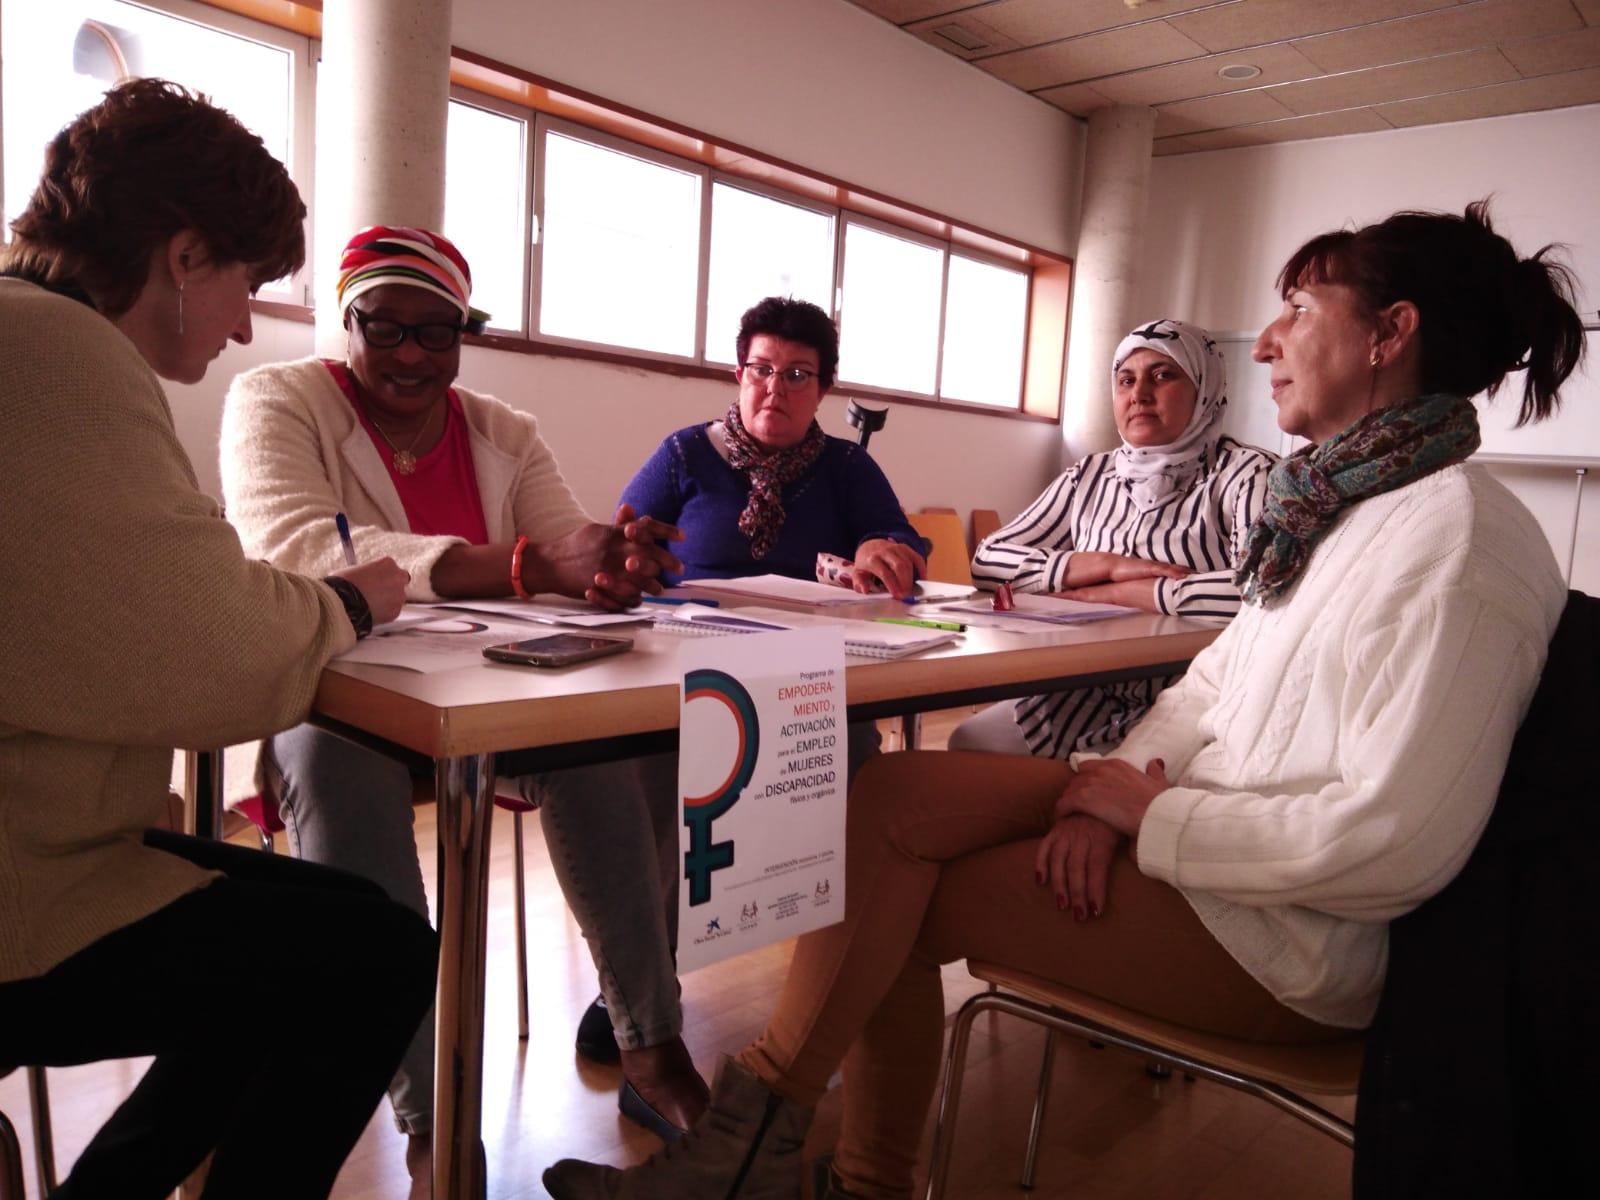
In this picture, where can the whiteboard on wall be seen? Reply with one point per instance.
(1573, 434)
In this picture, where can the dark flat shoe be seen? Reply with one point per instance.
(595, 1041)
(637, 1109)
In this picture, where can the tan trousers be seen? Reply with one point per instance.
(940, 868)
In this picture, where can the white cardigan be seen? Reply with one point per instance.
(1336, 755)
(294, 453)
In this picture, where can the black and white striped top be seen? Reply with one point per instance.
(1089, 508)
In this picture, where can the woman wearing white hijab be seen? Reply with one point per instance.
(1159, 523)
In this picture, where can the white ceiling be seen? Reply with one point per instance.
(1325, 67)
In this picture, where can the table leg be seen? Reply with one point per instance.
(202, 786)
(464, 788)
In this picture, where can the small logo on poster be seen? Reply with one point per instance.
(713, 926)
(749, 914)
(819, 894)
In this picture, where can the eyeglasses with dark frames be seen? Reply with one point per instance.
(383, 334)
(791, 377)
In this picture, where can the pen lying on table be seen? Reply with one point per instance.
(954, 626)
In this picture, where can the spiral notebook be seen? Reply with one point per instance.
(864, 639)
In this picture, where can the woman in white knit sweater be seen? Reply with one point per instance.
(1325, 766)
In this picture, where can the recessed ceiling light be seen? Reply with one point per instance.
(1238, 71)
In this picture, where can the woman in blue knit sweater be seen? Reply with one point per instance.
(764, 490)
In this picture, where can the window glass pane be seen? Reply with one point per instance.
(61, 57)
(986, 310)
(621, 248)
(485, 207)
(762, 247)
(889, 335)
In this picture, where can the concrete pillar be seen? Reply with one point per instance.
(383, 91)
(1116, 176)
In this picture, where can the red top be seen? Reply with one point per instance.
(441, 496)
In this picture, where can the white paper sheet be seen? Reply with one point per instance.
(548, 610)
(426, 640)
(761, 789)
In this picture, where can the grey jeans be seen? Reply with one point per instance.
(611, 830)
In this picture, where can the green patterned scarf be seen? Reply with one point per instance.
(1307, 491)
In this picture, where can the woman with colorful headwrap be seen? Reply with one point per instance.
(1324, 767)
(455, 486)
(1158, 523)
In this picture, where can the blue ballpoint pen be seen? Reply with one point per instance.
(343, 524)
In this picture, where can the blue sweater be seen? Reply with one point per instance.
(842, 501)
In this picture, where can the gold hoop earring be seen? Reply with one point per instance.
(180, 306)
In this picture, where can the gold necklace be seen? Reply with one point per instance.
(405, 461)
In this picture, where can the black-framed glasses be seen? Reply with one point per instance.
(792, 377)
(383, 334)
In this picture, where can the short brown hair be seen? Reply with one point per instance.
(149, 161)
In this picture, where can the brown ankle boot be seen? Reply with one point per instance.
(746, 1147)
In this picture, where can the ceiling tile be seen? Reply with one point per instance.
(1355, 120)
(1218, 112)
(1079, 99)
(1465, 27)
(1253, 22)
(902, 11)
(1523, 95)
(1563, 52)
(1198, 77)
(1086, 57)
(1029, 22)
(963, 35)
(1428, 77)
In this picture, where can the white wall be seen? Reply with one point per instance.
(1221, 224)
(867, 105)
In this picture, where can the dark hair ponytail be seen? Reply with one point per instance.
(1550, 334)
(1483, 311)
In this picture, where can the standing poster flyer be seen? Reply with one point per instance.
(761, 785)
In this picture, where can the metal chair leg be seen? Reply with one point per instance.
(944, 1129)
(910, 731)
(1046, 1071)
(522, 930)
(10, 1161)
(44, 1154)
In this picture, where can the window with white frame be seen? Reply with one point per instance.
(61, 57)
(985, 332)
(889, 317)
(762, 246)
(619, 246)
(486, 207)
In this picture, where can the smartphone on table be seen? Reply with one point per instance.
(557, 649)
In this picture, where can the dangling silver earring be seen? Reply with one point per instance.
(180, 306)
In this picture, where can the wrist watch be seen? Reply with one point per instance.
(355, 604)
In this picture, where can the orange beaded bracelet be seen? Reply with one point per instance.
(516, 568)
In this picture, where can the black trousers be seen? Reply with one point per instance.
(341, 974)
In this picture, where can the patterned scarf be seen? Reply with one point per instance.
(1307, 491)
(769, 470)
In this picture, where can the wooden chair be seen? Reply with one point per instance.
(984, 522)
(1279, 1074)
(949, 561)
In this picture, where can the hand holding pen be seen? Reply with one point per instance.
(382, 582)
